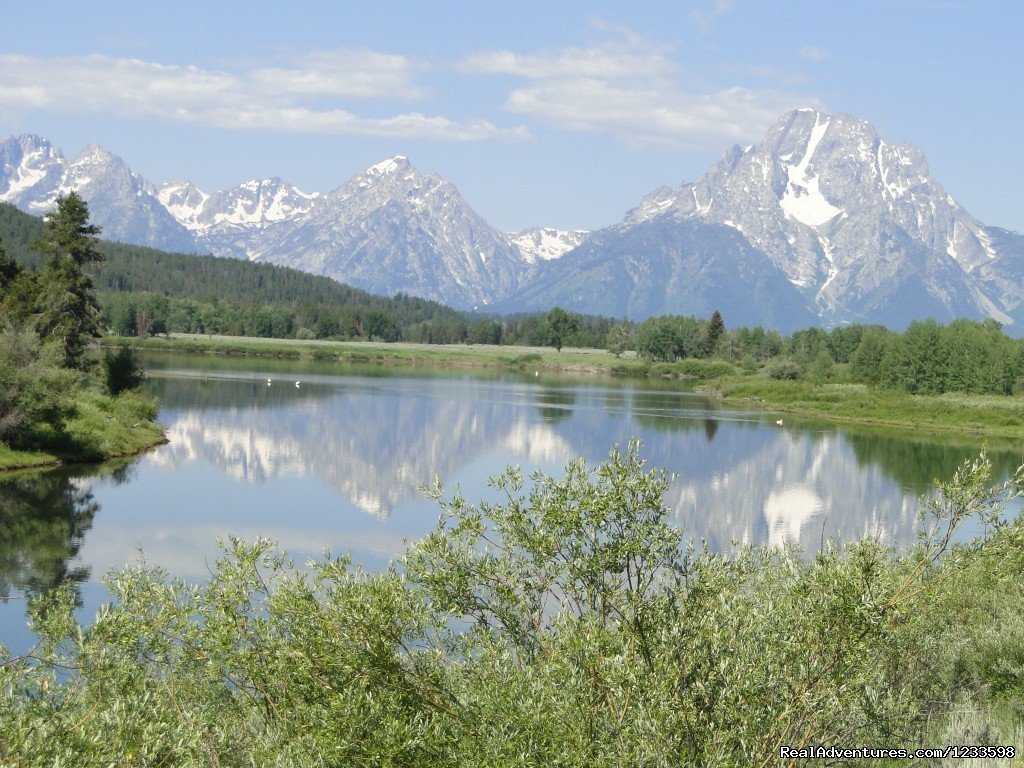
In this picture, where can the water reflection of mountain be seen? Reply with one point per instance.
(375, 442)
(740, 477)
(752, 481)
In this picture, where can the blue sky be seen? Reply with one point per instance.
(553, 114)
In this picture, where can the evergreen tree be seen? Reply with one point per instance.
(8, 268)
(17, 291)
(380, 325)
(69, 312)
(712, 334)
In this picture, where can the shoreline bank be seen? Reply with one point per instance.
(978, 415)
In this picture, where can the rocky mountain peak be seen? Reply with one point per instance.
(857, 224)
(183, 200)
(30, 168)
(393, 166)
(252, 204)
(94, 154)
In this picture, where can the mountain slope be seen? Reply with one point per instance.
(391, 229)
(666, 266)
(137, 269)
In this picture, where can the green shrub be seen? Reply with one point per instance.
(521, 361)
(705, 369)
(36, 392)
(749, 364)
(783, 370)
(122, 370)
(568, 625)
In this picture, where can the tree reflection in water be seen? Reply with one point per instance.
(44, 517)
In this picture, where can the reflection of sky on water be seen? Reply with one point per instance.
(336, 464)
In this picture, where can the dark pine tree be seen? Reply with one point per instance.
(69, 312)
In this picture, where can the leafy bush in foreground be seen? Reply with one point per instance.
(567, 626)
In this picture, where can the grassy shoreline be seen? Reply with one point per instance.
(102, 429)
(585, 361)
(976, 415)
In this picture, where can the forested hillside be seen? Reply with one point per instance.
(183, 292)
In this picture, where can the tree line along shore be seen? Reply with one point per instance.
(966, 375)
(972, 392)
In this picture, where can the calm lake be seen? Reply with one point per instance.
(336, 463)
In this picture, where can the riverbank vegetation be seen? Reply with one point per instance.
(56, 402)
(783, 385)
(568, 625)
(857, 373)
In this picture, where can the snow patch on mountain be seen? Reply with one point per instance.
(22, 179)
(546, 243)
(389, 166)
(183, 200)
(803, 199)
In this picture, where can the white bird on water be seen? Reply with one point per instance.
(779, 422)
(268, 382)
(297, 384)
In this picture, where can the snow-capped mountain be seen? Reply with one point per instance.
(31, 170)
(122, 203)
(183, 200)
(252, 204)
(232, 221)
(391, 229)
(856, 223)
(545, 244)
(822, 222)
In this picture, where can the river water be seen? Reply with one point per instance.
(336, 463)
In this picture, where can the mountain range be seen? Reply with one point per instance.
(823, 222)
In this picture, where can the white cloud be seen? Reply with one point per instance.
(300, 98)
(812, 52)
(362, 74)
(608, 61)
(630, 89)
